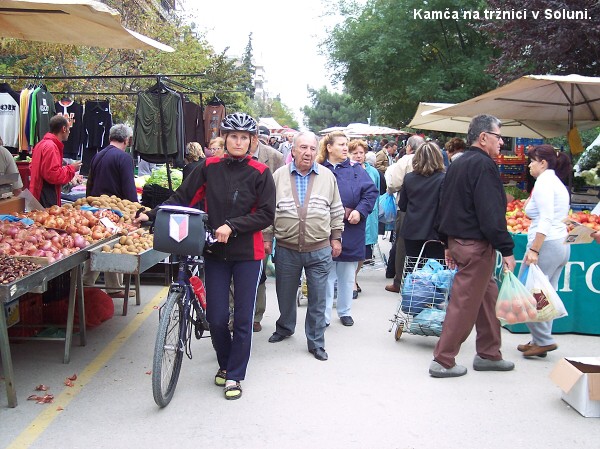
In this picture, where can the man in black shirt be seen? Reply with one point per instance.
(473, 224)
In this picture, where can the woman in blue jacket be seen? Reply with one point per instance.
(357, 150)
(359, 194)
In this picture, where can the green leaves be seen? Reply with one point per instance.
(386, 57)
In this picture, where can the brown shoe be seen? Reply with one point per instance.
(392, 288)
(525, 347)
(539, 351)
(121, 294)
(256, 327)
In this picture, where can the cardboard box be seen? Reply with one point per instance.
(11, 205)
(579, 379)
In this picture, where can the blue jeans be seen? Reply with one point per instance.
(288, 270)
(344, 273)
(233, 354)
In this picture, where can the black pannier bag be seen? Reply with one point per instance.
(180, 230)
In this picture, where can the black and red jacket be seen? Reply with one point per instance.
(240, 192)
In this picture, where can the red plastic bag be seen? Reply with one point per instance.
(515, 303)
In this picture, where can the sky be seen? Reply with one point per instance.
(285, 40)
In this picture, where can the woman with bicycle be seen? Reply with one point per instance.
(239, 195)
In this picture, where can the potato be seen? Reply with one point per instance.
(106, 249)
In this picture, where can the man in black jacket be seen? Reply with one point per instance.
(473, 224)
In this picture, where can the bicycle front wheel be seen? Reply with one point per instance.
(168, 350)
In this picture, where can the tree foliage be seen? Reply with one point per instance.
(384, 56)
(273, 107)
(248, 68)
(329, 109)
(546, 46)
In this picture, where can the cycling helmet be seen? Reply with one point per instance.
(239, 121)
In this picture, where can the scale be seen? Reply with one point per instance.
(6, 185)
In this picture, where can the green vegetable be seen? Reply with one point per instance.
(517, 193)
(159, 177)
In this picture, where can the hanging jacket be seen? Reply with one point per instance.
(148, 129)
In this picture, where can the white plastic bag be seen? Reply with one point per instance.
(549, 305)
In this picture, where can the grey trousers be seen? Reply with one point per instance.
(554, 255)
(288, 270)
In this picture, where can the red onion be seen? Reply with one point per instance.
(12, 230)
(67, 241)
(79, 241)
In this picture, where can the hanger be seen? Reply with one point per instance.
(216, 101)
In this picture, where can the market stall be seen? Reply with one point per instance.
(61, 239)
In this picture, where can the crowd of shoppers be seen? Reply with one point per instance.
(317, 215)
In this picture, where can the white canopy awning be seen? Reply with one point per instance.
(75, 22)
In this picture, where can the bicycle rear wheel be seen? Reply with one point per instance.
(168, 350)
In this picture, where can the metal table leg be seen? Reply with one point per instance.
(138, 297)
(75, 289)
(9, 375)
(126, 295)
(81, 307)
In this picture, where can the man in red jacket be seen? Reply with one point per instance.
(47, 171)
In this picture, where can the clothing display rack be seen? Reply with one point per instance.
(168, 78)
(162, 81)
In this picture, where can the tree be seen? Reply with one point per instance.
(386, 56)
(273, 107)
(249, 68)
(332, 109)
(558, 47)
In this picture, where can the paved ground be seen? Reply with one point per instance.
(373, 392)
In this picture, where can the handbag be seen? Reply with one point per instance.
(549, 306)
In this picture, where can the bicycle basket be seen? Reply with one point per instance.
(179, 230)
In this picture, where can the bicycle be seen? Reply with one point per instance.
(184, 310)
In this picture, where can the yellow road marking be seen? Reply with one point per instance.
(45, 418)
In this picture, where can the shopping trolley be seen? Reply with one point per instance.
(424, 290)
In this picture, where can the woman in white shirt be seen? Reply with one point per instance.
(547, 206)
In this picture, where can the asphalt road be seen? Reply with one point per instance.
(373, 392)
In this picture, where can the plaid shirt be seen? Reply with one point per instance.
(302, 180)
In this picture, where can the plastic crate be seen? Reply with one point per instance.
(154, 195)
(510, 160)
(580, 207)
(31, 314)
(24, 171)
(506, 168)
